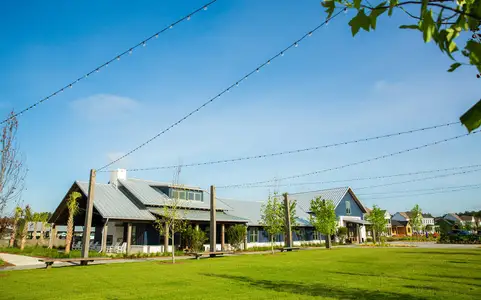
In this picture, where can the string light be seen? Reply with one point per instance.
(351, 164)
(260, 156)
(296, 44)
(188, 18)
(210, 100)
(117, 57)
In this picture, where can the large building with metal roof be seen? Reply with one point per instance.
(129, 207)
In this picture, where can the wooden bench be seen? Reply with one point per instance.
(198, 255)
(289, 249)
(83, 261)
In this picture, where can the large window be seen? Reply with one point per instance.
(186, 195)
(253, 235)
(316, 235)
(348, 207)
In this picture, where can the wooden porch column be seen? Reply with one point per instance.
(358, 233)
(104, 236)
(166, 238)
(288, 230)
(222, 237)
(88, 215)
(197, 227)
(53, 234)
(213, 223)
(245, 240)
(129, 237)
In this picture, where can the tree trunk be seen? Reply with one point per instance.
(272, 243)
(68, 240)
(328, 241)
(42, 231)
(24, 236)
(34, 234)
(14, 234)
(173, 246)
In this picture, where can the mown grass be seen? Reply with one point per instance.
(343, 273)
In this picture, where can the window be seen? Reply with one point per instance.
(316, 236)
(253, 235)
(198, 196)
(348, 207)
(175, 194)
(191, 195)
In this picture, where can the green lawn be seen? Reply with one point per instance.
(347, 273)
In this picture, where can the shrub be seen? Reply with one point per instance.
(236, 235)
(195, 239)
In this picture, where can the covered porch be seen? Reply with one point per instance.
(356, 229)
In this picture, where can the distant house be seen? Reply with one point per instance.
(427, 221)
(454, 218)
(400, 224)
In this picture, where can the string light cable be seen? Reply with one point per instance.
(281, 53)
(250, 184)
(418, 190)
(371, 177)
(418, 179)
(430, 193)
(97, 69)
(260, 156)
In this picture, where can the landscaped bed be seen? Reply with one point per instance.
(342, 273)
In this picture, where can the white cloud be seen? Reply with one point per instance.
(103, 106)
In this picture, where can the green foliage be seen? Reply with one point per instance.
(72, 203)
(441, 22)
(323, 217)
(378, 221)
(272, 217)
(416, 218)
(195, 239)
(236, 235)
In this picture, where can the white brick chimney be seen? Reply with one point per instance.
(117, 175)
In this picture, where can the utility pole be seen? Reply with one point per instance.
(213, 223)
(287, 211)
(88, 216)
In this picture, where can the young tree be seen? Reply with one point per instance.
(12, 167)
(440, 21)
(323, 217)
(73, 208)
(236, 235)
(27, 217)
(272, 217)
(416, 218)
(17, 215)
(35, 220)
(173, 216)
(378, 222)
(43, 219)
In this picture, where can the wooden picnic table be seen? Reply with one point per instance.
(288, 249)
(198, 255)
(83, 261)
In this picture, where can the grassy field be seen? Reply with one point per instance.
(347, 273)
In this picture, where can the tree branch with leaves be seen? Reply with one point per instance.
(441, 21)
(272, 217)
(323, 218)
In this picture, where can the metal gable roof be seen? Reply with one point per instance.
(113, 204)
(145, 193)
(250, 210)
(304, 199)
(200, 215)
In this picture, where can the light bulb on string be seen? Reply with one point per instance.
(310, 33)
(97, 70)
(70, 86)
(257, 70)
(282, 53)
(296, 44)
(236, 84)
(171, 26)
(130, 51)
(157, 36)
(188, 18)
(107, 65)
(118, 57)
(345, 10)
(205, 7)
(143, 44)
(268, 62)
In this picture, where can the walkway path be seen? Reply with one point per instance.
(20, 260)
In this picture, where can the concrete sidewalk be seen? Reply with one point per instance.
(20, 260)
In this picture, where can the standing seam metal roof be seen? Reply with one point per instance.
(304, 199)
(201, 215)
(113, 204)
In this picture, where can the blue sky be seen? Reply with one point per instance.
(331, 88)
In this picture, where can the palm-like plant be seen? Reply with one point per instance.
(73, 208)
(43, 219)
(27, 217)
(35, 220)
(16, 217)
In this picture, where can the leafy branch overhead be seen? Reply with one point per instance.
(439, 21)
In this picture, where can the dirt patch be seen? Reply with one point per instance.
(6, 264)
